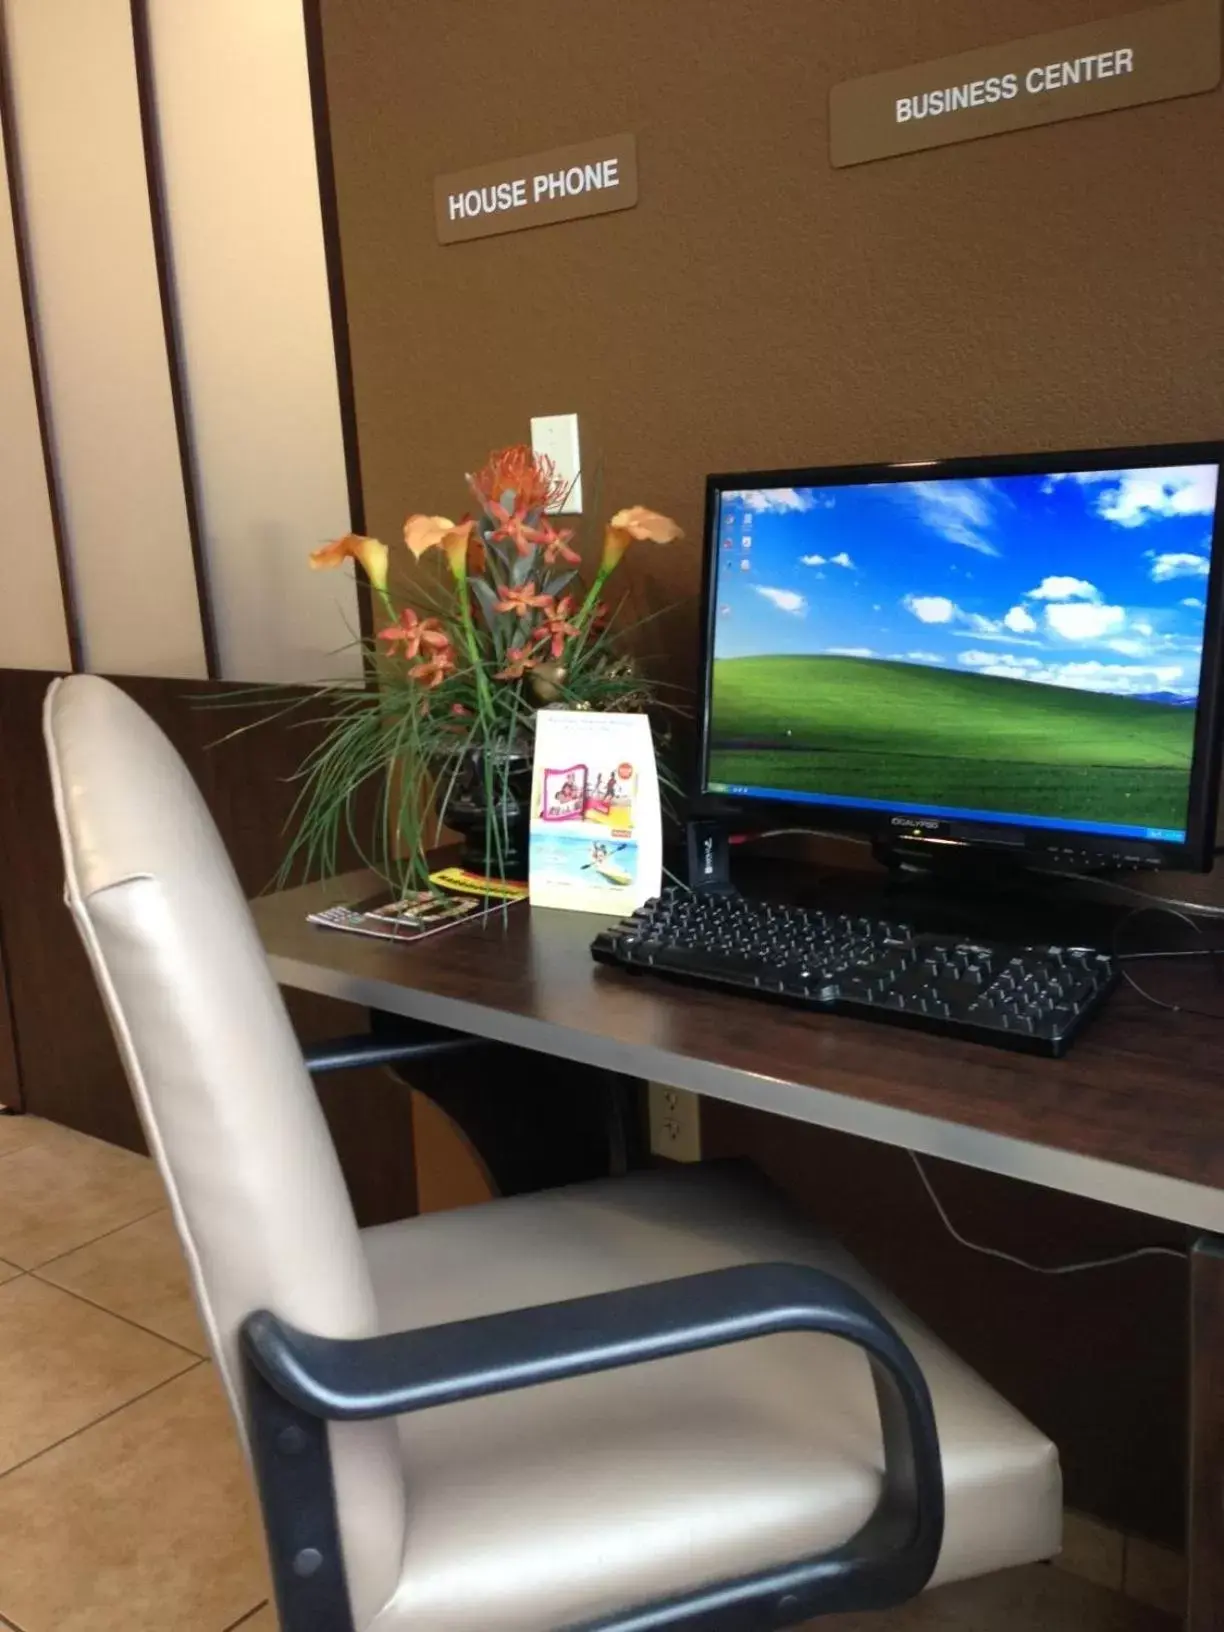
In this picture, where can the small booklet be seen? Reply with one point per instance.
(596, 827)
(412, 917)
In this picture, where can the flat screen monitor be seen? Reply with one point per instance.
(1019, 652)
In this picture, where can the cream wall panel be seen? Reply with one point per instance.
(101, 334)
(33, 624)
(242, 197)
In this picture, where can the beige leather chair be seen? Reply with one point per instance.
(722, 1431)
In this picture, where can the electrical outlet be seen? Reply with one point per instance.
(675, 1123)
(556, 435)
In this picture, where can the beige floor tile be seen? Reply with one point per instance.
(7, 1271)
(61, 1189)
(143, 1523)
(64, 1364)
(1036, 1599)
(137, 1272)
(21, 1132)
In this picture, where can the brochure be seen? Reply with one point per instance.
(596, 823)
(412, 918)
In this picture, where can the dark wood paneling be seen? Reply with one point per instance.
(1206, 1548)
(70, 1070)
(1097, 1360)
(10, 1077)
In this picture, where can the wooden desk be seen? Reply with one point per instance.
(1133, 1116)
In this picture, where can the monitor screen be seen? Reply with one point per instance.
(1018, 649)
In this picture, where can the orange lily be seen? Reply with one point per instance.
(354, 547)
(556, 628)
(414, 632)
(522, 600)
(635, 523)
(518, 661)
(422, 533)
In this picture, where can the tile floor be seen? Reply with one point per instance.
(124, 1504)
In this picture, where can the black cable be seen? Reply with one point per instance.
(1150, 997)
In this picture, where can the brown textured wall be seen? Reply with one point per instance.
(1051, 288)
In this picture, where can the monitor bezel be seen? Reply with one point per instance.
(1035, 845)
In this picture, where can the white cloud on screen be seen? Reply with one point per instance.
(1020, 621)
(919, 657)
(779, 500)
(849, 651)
(1179, 564)
(1121, 679)
(959, 512)
(1084, 620)
(1132, 498)
(1193, 602)
(1064, 589)
(841, 559)
(786, 600)
(931, 608)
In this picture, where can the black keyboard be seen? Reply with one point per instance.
(1033, 998)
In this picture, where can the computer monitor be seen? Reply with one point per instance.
(1018, 653)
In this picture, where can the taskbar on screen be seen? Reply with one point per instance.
(952, 813)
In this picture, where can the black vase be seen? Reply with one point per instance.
(493, 812)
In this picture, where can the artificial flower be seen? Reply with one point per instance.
(556, 628)
(433, 670)
(518, 661)
(522, 600)
(414, 632)
(554, 541)
(423, 533)
(354, 547)
(635, 523)
(532, 479)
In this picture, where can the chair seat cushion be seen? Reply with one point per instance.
(548, 1507)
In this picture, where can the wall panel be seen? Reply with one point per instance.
(33, 621)
(101, 334)
(234, 122)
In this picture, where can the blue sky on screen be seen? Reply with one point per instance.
(1093, 579)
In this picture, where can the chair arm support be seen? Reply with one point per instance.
(367, 1049)
(321, 1380)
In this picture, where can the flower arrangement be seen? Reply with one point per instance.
(502, 626)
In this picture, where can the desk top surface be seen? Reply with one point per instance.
(1133, 1115)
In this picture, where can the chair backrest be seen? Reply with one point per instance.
(217, 1075)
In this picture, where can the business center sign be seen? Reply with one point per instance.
(1149, 56)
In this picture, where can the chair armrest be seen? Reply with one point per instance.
(318, 1380)
(369, 1049)
(347, 1379)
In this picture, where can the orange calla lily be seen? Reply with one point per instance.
(635, 523)
(353, 547)
(423, 533)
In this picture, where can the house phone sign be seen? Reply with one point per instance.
(589, 178)
(1165, 51)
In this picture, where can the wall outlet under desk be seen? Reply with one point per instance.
(675, 1123)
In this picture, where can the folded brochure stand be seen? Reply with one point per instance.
(596, 823)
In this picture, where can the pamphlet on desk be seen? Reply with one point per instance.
(596, 823)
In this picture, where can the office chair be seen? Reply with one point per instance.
(657, 1401)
